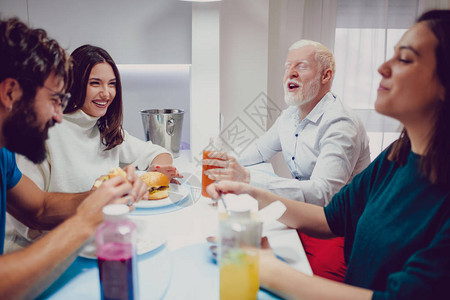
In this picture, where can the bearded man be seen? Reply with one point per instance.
(34, 76)
(323, 142)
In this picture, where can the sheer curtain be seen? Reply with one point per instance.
(366, 33)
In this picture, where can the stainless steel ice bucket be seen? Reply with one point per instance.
(163, 127)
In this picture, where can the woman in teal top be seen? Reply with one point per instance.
(396, 225)
(395, 215)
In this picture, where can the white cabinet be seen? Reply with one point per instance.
(133, 32)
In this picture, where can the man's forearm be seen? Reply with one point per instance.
(40, 259)
(309, 218)
(292, 284)
(22, 269)
(57, 208)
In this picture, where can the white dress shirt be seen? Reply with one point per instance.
(323, 152)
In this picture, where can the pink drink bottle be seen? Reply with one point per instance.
(116, 254)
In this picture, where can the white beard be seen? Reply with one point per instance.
(304, 94)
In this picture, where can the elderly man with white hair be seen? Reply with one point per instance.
(322, 140)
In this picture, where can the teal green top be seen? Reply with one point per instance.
(396, 225)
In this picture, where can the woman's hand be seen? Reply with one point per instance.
(228, 168)
(269, 264)
(168, 170)
(228, 187)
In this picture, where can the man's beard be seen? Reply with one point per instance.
(23, 134)
(305, 93)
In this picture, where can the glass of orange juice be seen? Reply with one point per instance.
(239, 277)
(239, 240)
(215, 144)
(205, 179)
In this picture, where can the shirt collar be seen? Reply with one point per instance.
(318, 110)
(315, 114)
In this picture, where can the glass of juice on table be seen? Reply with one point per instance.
(239, 240)
(205, 179)
(215, 145)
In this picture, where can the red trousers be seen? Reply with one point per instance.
(326, 257)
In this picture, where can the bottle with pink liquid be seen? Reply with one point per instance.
(116, 254)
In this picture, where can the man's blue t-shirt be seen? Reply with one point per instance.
(10, 176)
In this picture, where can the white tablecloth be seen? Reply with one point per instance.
(182, 268)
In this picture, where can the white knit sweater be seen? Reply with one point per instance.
(76, 157)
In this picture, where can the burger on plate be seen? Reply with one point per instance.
(158, 185)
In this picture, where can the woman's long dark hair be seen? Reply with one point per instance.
(110, 125)
(435, 163)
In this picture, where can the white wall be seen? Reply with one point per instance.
(14, 8)
(244, 27)
(205, 86)
(155, 87)
(136, 31)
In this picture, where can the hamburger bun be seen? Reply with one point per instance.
(113, 173)
(158, 185)
(117, 171)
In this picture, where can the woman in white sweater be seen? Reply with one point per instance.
(90, 141)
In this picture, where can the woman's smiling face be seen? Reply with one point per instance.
(100, 90)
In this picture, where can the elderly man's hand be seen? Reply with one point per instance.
(227, 168)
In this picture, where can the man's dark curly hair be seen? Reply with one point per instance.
(30, 56)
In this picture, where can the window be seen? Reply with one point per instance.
(366, 33)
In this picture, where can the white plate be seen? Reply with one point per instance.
(143, 246)
(176, 194)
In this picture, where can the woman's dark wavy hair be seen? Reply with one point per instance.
(30, 56)
(435, 163)
(110, 125)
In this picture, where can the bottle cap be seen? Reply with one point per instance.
(115, 211)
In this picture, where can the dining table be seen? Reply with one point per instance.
(174, 257)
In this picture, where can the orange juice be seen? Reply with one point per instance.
(239, 278)
(205, 179)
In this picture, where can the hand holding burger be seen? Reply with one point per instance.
(139, 187)
(113, 173)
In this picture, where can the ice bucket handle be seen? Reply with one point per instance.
(170, 126)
